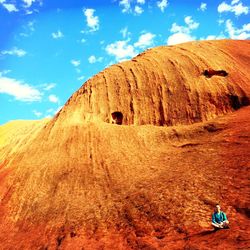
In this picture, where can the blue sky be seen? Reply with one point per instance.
(48, 49)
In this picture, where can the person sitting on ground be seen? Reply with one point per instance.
(219, 218)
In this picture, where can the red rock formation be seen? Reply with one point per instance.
(166, 85)
(80, 182)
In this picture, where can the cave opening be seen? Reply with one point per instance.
(210, 72)
(117, 117)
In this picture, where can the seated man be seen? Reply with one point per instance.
(219, 218)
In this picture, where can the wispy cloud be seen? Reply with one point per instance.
(182, 33)
(125, 4)
(4, 72)
(48, 86)
(28, 29)
(51, 112)
(121, 50)
(237, 33)
(145, 40)
(57, 35)
(91, 19)
(125, 33)
(138, 10)
(80, 78)
(28, 3)
(14, 52)
(214, 37)
(203, 7)
(235, 7)
(124, 50)
(83, 40)
(10, 7)
(75, 63)
(19, 90)
(92, 59)
(53, 98)
(129, 7)
(37, 113)
(162, 5)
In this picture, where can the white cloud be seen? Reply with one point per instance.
(49, 111)
(138, 10)
(190, 22)
(80, 78)
(53, 98)
(141, 2)
(145, 40)
(4, 72)
(162, 5)
(28, 3)
(125, 33)
(76, 63)
(203, 7)
(130, 6)
(92, 21)
(57, 35)
(126, 6)
(21, 91)
(48, 86)
(31, 25)
(179, 38)
(92, 59)
(48, 117)
(235, 7)
(221, 21)
(121, 50)
(29, 29)
(28, 12)
(9, 7)
(83, 40)
(241, 33)
(14, 52)
(182, 33)
(37, 113)
(214, 37)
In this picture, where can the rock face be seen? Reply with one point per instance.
(81, 181)
(167, 85)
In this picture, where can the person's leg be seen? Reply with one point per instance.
(226, 224)
(216, 225)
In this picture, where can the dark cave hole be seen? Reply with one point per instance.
(117, 117)
(210, 72)
(238, 102)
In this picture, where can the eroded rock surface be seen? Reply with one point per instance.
(78, 181)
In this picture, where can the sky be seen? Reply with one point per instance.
(49, 48)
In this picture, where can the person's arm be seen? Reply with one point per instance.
(213, 219)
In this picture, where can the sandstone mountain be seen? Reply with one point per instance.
(81, 181)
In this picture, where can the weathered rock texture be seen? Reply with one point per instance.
(167, 86)
(80, 182)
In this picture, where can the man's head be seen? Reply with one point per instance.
(217, 208)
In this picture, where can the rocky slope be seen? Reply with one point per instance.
(80, 182)
(167, 86)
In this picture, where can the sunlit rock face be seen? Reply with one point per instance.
(80, 181)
